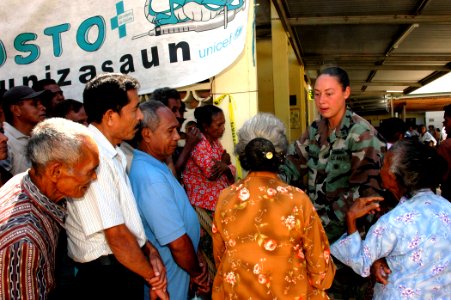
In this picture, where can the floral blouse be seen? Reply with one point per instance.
(201, 191)
(268, 242)
(415, 239)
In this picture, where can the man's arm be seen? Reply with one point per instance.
(192, 138)
(127, 251)
(22, 280)
(182, 251)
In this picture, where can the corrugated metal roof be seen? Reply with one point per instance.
(384, 45)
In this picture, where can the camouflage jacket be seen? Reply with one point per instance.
(341, 167)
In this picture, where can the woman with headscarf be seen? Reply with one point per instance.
(268, 240)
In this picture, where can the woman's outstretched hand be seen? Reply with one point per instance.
(361, 207)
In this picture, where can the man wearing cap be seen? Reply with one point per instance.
(23, 109)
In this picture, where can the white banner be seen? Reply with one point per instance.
(160, 42)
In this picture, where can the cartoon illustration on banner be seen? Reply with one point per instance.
(174, 16)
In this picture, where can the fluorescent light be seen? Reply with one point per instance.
(395, 92)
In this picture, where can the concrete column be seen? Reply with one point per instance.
(240, 81)
(280, 70)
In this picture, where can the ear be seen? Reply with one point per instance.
(146, 134)
(15, 109)
(53, 171)
(347, 92)
(108, 117)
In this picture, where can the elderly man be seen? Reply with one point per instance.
(23, 109)
(169, 219)
(64, 158)
(106, 238)
(171, 98)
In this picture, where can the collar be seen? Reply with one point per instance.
(105, 147)
(416, 194)
(52, 209)
(13, 132)
(137, 153)
(323, 136)
(262, 174)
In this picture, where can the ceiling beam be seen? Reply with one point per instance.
(356, 66)
(401, 38)
(422, 103)
(359, 20)
(356, 94)
(387, 83)
(446, 57)
(294, 38)
(422, 6)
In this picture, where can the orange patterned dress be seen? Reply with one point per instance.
(268, 242)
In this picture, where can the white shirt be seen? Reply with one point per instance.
(427, 137)
(127, 149)
(108, 202)
(17, 144)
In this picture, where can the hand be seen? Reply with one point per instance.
(363, 206)
(380, 270)
(196, 12)
(193, 137)
(359, 208)
(202, 281)
(225, 158)
(159, 281)
(217, 170)
(158, 294)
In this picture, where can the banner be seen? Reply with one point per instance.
(160, 42)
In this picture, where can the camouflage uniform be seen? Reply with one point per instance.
(341, 166)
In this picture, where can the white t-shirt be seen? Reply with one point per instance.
(427, 137)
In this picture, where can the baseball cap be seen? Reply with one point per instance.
(21, 92)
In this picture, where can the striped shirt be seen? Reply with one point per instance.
(108, 202)
(29, 228)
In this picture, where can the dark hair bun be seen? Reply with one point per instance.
(260, 155)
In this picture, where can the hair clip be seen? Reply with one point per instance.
(268, 155)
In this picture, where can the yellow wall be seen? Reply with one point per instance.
(264, 76)
(279, 76)
(298, 112)
(240, 81)
(280, 50)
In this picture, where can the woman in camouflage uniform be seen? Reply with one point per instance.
(342, 154)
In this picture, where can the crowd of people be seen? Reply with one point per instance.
(108, 198)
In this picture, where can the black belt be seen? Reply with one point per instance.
(104, 260)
